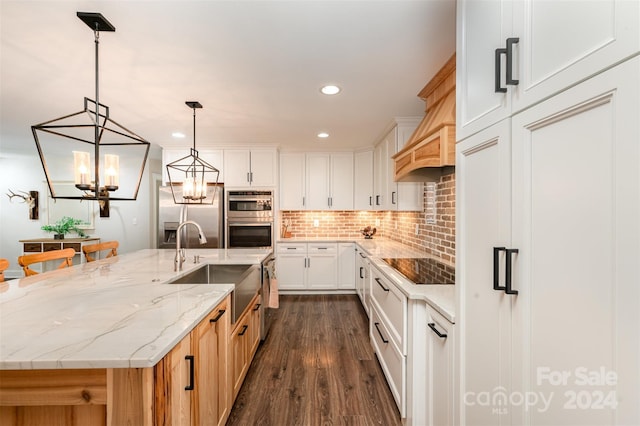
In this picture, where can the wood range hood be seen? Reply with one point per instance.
(430, 151)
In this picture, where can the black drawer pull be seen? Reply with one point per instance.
(496, 268)
(362, 255)
(380, 284)
(380, 333)
(257, 306)
(507, 272)
(190, 358)
(498, 86)
(510, 43)
(361, 269)
(244, 330)
(220, 314)
(432, 326)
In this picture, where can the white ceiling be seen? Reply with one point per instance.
(256, 67)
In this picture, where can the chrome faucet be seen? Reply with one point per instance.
(180, 252)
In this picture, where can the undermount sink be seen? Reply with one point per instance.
(214, 274)
(246, 279)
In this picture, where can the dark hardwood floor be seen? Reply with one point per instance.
(316, 367)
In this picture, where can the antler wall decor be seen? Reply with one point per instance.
(30, 199)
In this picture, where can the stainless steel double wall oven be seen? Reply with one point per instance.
(249, 219)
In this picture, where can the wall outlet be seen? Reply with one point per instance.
(377, 222)
(316, 223)
(417, 228)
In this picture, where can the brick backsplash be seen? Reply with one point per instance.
(437, 239)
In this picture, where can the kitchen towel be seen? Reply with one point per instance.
(274, 301)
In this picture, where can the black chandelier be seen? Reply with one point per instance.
(193, 180)
(107, 157)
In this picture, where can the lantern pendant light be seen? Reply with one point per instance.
(108, 159)
(193, 180)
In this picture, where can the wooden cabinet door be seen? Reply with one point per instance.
(239, 352)
(576, 186)
(292, 181)
(173, 401)
(483, 178)
(212, 387)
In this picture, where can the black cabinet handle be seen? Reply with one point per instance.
(257, 306)
(190, 358)
(380, 284)
(496, 268)
(507, 273)
(376, 324)
(510, 42)
(498, 69)
(393, 197)
(507, 270)
(244, 330)
(248, 178)
(432, 326)
(362, 255)
(370, 201)
(377, 200)
(220, 314)
(361, 269)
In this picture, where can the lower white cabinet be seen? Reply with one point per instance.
(307, 266)
(346, 266)
(430, 370)
(362, 277)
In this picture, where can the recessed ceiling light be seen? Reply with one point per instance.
(178, 135)
(323, 135)
(330, 89)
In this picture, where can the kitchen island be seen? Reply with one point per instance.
(93, 335)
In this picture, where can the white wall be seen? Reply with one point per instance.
(23, 172)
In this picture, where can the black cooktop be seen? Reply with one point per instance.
(423, 270)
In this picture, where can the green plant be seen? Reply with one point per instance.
(64, 226)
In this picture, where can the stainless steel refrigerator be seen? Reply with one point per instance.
(209, 216)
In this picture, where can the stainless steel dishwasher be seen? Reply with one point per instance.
(266, 316)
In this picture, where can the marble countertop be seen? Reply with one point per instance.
(112, 313)
(439, 297)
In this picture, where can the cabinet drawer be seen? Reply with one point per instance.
(51, 246)
(32, 247)
(320, 248)
(392, 361)
(75, 246)
(392, 305)
(292, 248)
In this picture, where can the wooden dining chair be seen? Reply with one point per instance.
(28, 259)
(112, 246)
(4, 264)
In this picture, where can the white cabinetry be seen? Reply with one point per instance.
(316, 181)
(388, 194)
(363, 274)
(256, 167)
(559, 43)
(388, 333)
(212, 156)
(346, 266)
(430, 370)
(307, 266)
(292, 182)
(363, 180)
(552, 196)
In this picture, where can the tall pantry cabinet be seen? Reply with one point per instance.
(548, 301)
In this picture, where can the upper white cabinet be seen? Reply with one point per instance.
(363, 180)
(548, 247)
(292, 182)
(316, 181)
(255, 167)
(513, 54)
(388, 194)
(211, 156)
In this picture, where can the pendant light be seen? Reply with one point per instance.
(87, 155)
(193, 180)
